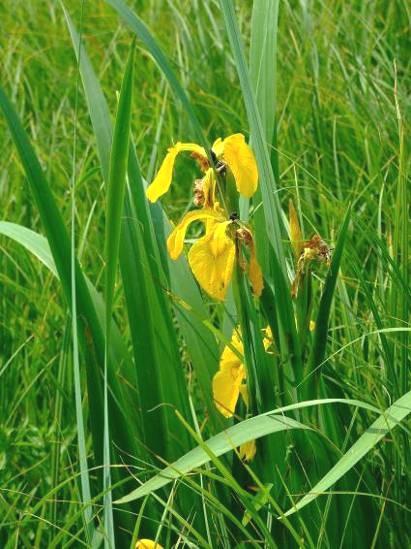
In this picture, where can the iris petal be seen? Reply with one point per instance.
(218, 147)
(228, 381)
(226, 389)
(162, 181)
(147, 544)
(175, 241)
(240, 159)
(248, 450)
(212, 258)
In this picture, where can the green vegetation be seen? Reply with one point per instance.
(109, 432)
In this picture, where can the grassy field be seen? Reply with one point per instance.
(266, 367)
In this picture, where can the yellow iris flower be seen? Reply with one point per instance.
(229, 384)
(232, 152)
(147, 544)
(228, 381)
(212, 257)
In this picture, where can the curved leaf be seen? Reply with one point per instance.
(381, 426)
(249, 429)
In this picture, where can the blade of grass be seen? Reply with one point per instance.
(263, 62)
(35, 243)
(368, 440)
(220, 444)
(263, 78)
(81, 437)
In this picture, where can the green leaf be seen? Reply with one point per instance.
(35, 243)
(116, 184)
(249, 429)
(115, 198)
(387, 421)
(267, 182)
(263, 62)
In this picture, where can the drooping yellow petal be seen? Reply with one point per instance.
(209, 185)
(254, 273)
(175, 241)
(228, 381)
(296, 237)
(236, 343)
(226, 389)
(239, 157)
(162, 181)
(212, 258)
(218, 147)
(248, 450)
(148, 544)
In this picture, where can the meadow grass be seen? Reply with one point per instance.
(100, 393)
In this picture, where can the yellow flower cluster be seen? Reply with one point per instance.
(213, 256)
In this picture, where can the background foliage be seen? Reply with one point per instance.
(340, 100)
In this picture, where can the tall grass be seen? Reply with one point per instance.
(109, 432)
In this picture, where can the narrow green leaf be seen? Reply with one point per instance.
(250, 429)
(381, 426)
(263, 62)
(117, 182)
(35, 243)
(263, 79)
(115, 199)
(78, 396)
